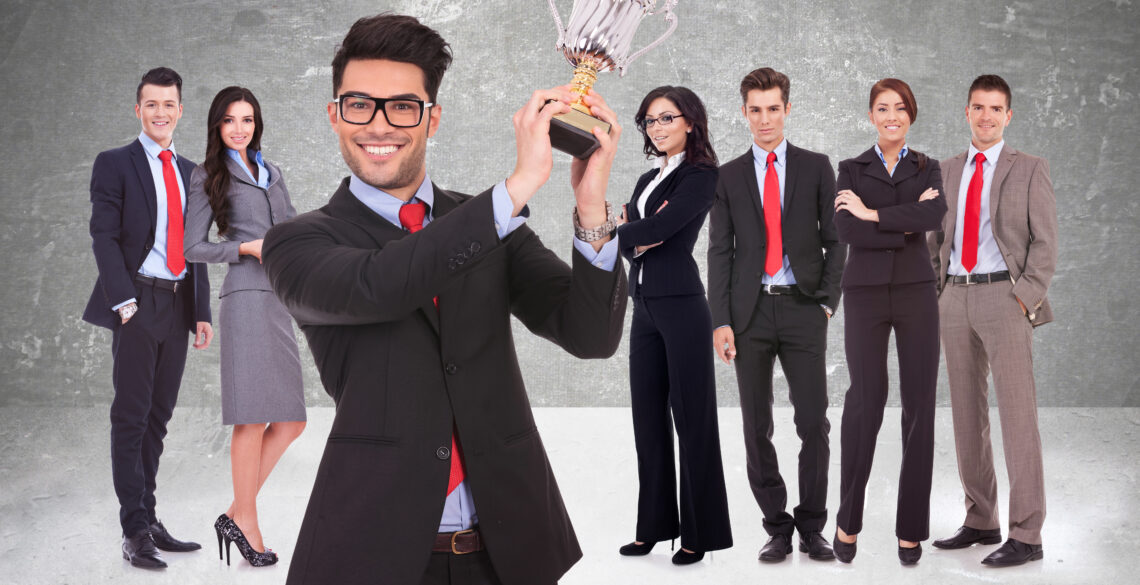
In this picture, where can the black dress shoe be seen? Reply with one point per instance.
(139, 550)
(966, 536)
(777, 549)
(910, 556)
(1013, 553)
(684, 557)
(816, 546)
(844, 551)
(164, 541)
(636, 550)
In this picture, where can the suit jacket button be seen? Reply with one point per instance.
(450, 368)
(443, 453)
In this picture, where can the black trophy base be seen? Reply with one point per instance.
(572, 133)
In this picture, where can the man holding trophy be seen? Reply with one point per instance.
(434, 471)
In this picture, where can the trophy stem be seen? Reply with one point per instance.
(585, 74)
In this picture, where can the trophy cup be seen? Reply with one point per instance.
(598, 39)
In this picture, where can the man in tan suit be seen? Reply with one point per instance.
(994, 258)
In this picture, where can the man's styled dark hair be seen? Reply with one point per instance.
(991, 82)
(395, 37)
(162, 77)
(698, 144)
(763, 79)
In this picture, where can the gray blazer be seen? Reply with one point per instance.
(253, 211)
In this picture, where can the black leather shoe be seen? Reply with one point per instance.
(139, 550)
(636, 550)
(816, 546)
(777, 549)
(967, 536)
(910, 556)
(1013, 553)
(684, 557)
(164, 541)
(844, 551)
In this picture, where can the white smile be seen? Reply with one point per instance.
(893, 127)
(380, 150)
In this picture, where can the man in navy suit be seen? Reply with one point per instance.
(149, 297)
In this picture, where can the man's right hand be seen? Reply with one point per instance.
(532, 139)
(127, 311)
(724, 341)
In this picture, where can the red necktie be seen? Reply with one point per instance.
(174, 259)
(412, 218)
(775, 258)
(973, 216)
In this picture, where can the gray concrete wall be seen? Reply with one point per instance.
(68, 71)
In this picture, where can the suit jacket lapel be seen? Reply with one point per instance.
(142, 167)
(746, 174)
(906, 168)
(656, 197)
(1005, 163)
(953, 184)
(791, 157)
(875, 167)
(238, 173)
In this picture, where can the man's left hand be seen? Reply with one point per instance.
(590, 177)
(204, 335)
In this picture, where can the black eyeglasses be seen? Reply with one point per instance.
(663, 119)
(399, 112)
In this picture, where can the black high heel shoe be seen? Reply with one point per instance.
(910, 556)
(636, 550)
(232, 533)
(684, 557)
(219, 526)
(844, 551)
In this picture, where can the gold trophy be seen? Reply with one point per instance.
(598, 39)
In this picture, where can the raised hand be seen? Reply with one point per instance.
(532, 141)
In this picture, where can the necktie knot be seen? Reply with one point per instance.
(412, 216)
(165, 156)
(980, 158)
(771, 157)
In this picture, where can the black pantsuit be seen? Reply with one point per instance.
(888, 284)
(671, 365)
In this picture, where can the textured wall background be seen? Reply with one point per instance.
(68, 71)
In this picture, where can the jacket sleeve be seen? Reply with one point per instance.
(107, 199)
(197, 246)
(721, 256)
(690, 198)
(856, 232)
(834, 252)
(1041, 260)
(919, 216)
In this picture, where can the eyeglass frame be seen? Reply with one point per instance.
(380, 107)
(644, 123)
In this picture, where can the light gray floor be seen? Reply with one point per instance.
(58, 517)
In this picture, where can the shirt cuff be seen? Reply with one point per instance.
(502, 208)
(604, 258)
(123, 304)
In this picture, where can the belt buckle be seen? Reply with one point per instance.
(970, 278)
(455, 535)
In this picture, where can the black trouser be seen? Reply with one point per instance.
(671, 368)
(451, 569)
(150, 354)
(911, 310)
(792, 328)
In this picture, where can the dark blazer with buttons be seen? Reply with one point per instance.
(402, 373)
(738, 239)
(883, 252)
(669, 268)
(123, 217)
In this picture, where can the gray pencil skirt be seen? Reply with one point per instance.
(261, 367)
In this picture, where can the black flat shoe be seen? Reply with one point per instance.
(816, 546)
(966, 536)
(844, 551)
(684, 557)
(636, 550)
(910, 556)
(139, 549)
(164, 541)
(1013, 553)
(777, 549)
(231, 533)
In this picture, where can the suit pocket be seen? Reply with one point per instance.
(364, 439)
(520, 437)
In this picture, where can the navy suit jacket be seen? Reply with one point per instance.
(123, 217)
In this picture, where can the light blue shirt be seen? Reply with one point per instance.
(262, 178)
(459, 507)
(902, 154)
(760, 161)
(989, 255)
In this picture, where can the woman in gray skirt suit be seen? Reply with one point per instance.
(262, 392)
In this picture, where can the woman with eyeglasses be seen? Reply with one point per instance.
(670, 365)
(889, 196)
(262, 392)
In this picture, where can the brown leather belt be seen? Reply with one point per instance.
(978, 278)
(458, 543)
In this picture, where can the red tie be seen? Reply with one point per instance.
(412, 218)
(775, 259)
(174, 260)
(973, 216)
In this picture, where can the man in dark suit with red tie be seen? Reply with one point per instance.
(434, 471)
(774, 264)
(149, 297)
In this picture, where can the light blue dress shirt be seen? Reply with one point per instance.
(459, 507)
(262, 178)
(760, 160)
(902, 154)
(989, 255)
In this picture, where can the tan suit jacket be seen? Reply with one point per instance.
(1023, 213)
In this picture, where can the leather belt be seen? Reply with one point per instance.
(978, 278)
(779, 289)
(458, 543)
(159, 283)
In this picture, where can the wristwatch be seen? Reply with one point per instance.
(594, 234)
(128, 311)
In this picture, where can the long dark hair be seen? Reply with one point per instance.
(698, 145)
(217, 175)
(903, 89)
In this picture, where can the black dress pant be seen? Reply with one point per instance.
(911, 310)
(452, 569)
(792, 328)
(671, 370)
(150, 354)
